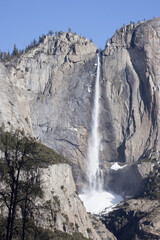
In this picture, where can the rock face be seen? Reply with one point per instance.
(136, 220)
(59, 207)
(139, 218)
(129, 180)
(130, 92)
(62, 209)
(48, 93)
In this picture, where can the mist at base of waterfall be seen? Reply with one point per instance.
(97, 202)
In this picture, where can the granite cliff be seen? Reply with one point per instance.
(131, 91)
(48, 91)
(138, 218)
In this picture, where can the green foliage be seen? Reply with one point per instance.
(58, 235)
(78, 236)
(56, 200)
(69, 30)
(35, 154)
(15, 52)
(48, 157)
(66, 218)
(3, 224)
(145, 159)
(47, 205)
(62, 187)
(72, 225)
(21, 156)
(152, 184)
(26, 119)
(140, 215)
(35, 232)
(50, 32)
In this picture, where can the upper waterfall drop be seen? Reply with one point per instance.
(93, 170)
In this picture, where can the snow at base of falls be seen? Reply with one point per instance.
(97, 202)
(116, 166)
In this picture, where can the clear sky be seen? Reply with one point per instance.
(23, 20)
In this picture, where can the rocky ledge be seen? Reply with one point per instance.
(62, 209)
(135, 219)
(138, 218)
(47, 91)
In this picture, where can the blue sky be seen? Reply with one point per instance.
(23, 20)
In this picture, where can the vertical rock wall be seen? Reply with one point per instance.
(53, 85)
(49, 90)
(130, 97)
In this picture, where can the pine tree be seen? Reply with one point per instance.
(8, 56)
(50, 33)
(69, 30)
(15, 51)
(34, 42)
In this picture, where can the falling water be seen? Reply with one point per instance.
(94, 172)
(95, 198)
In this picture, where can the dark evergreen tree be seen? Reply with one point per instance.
(69, 30)
(15, 51)
(50, 33)
(20, 158)
(1, 55)
(8, 56)
(19, 155)
(34, 42)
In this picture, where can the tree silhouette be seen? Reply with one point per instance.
(50, 33)
(15, 51)
(17, 163)
(20, 157)
(69, 30)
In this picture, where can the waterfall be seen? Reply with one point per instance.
(95, 198)
(94, 171)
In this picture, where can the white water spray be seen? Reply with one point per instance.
(95, 198)
(94, 172)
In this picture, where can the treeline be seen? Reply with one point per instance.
(7, 56)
